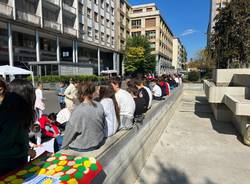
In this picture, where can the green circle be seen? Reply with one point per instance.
(70, 157)
(81, 168)
(84, 159)
(56, 161)
(58, 155)
(65, 177)
(94, 167)
(79, 175)
(65, 168)
(79, 161)
(46, 165)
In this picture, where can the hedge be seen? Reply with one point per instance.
(193, 76)
(56, 78)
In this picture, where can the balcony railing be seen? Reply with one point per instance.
(51, 25)
(6, 10)
(31, 18)
(54, 2)
(70, 30)
(69, 8)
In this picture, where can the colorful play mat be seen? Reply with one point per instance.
(55, 169)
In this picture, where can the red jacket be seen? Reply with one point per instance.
(167, 87)
(45, 122)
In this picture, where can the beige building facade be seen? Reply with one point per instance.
(179, 54)
(146, 20)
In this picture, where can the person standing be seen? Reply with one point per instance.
(17, 116)
(126, 104)
(71, 94)
(39, 103)
(85, 129)
(61, 96)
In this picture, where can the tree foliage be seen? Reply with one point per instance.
(138, 57)
(231, 36)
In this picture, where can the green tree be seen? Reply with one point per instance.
(138, 57)
(231, 37)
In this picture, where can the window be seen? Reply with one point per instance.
(102, 37)
(113, 25)
(89, 31)
(150, 22)
(102, 20)
(112, 40)
(152, 46)
(88, 12)
(107, 7)
(96, 34)
(112, 11)
(138, 33)
(96, 17)
(149, 9)
(137, 11)
(136, 23)
(150, 34)
(108, 38)
(102, 4)
(96, 2)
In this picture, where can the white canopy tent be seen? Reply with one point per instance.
(12, 71)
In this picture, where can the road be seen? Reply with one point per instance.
(51, 101)
(196, 149)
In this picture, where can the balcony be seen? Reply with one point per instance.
(69, 30)
(53, 2)
(69, 8)
(6, 10)
(27, 17)
(51, 25)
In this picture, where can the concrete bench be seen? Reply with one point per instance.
(124, 154)
(237, 104)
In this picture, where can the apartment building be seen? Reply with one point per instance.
(122, 30)
(146, 20)
(215, 5)
(179, 54)
(58, 37)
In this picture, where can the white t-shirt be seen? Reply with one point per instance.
(111, 124)
(39, 100)
(157, 91)
(150, 96)
(176, 80)
(125, 102)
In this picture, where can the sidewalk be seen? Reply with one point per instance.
(195, 149)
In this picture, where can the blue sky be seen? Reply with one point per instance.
(188, 20)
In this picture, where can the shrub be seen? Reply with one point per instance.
(193, 76)
(56, 78)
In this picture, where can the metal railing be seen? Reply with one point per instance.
(69, 8)
(51, 24)
(55, 2)
(28, 17)
(69, 30)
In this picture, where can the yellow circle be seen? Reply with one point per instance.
(21, 173)
(33, 169)
(87, 163)
(10, 178)
(50, 172)
(76, 166)
(42, 171)
(48, 181)
(17, 181)
(62, 162)
(72, 181)
(59, 168)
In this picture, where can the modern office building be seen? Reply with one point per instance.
(215, 5)
(59, 37)
(179, 54)
(146, 20)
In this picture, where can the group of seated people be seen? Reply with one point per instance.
(103, 110)
(107, 108)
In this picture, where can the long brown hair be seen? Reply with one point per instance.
(106, 91)
(86, 89)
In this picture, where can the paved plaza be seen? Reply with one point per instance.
(196, 149)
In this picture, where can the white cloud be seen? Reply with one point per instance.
(188, 32)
